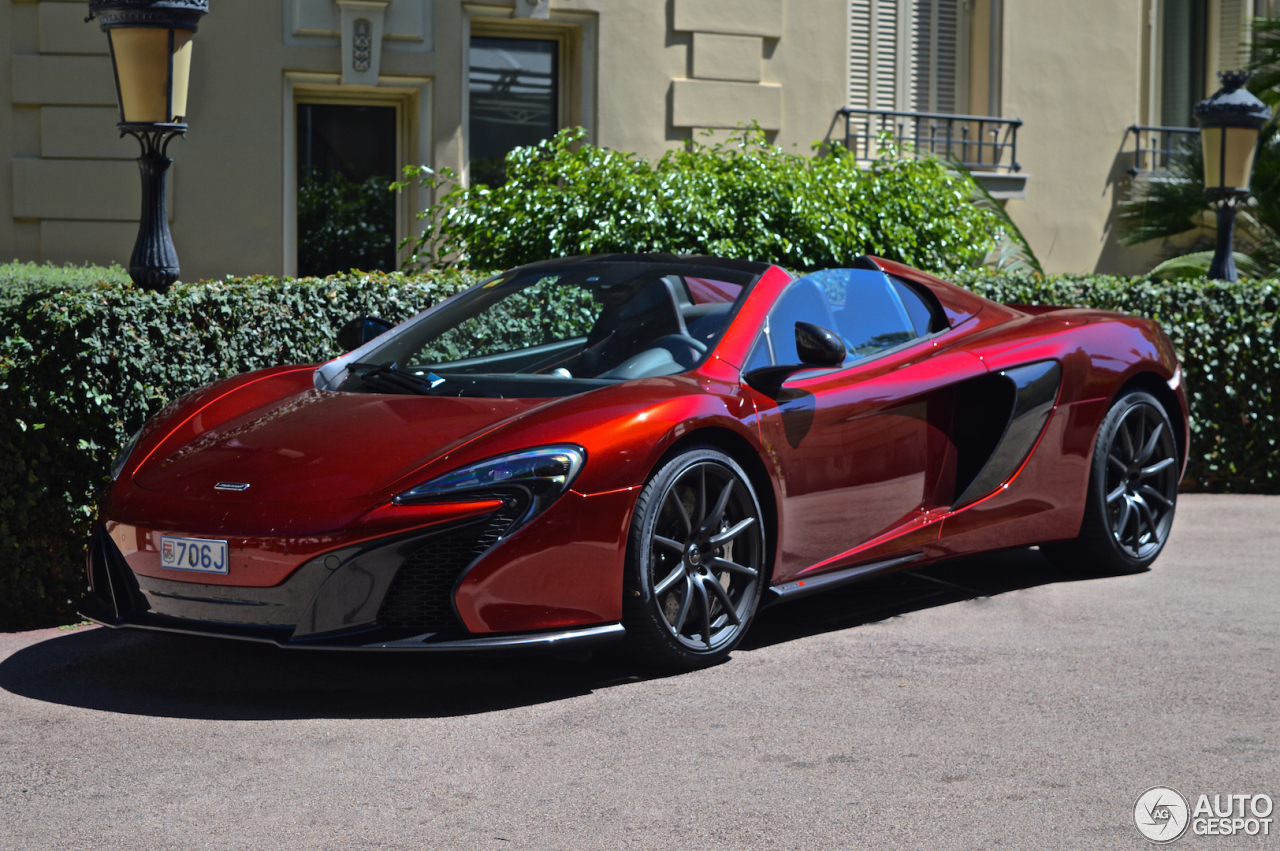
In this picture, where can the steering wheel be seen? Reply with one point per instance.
(684, 349)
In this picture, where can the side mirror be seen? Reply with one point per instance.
(817, 346)
(361, 330)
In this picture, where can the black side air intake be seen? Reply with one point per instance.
(1034, 389)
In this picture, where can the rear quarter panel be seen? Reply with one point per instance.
(1100, 352)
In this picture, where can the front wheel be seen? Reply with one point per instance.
(695, 562)
(1133, 488)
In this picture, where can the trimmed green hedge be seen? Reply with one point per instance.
(81, 370)
(20, 280)
(1228, 340)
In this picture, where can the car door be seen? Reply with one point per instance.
(859, 449)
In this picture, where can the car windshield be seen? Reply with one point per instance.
(551, 330)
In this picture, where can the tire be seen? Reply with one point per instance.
(1133, 491)
(695, 563)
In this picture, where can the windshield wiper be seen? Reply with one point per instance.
(388, 377)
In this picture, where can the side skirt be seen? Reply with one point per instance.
(797, 588)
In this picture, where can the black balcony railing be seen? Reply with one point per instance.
(1157, 149)
(981, 142)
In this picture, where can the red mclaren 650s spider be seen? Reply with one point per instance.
(639, 447)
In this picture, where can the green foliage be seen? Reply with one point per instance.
(81, 370)
(1264, 62)
(1228, 339)
(19, 280)
(740, 198)
(345, 225)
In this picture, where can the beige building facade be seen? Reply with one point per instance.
(284, 92)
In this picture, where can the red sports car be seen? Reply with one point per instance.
(639, 447)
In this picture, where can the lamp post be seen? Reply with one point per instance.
(1230, 121)
(150, 44)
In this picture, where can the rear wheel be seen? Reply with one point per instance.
(1133, 489)
(695, 562)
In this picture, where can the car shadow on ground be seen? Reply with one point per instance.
(186, 677)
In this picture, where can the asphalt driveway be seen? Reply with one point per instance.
(993, 702)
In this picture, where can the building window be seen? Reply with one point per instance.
(346, 159)
(1184, 55)
(514, 100)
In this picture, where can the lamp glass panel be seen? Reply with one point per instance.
(1228, 156)
(1211, 141)
(142, 67)
(1241, 143)
(181, 73)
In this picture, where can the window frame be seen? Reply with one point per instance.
(575, 36)
(412, 98)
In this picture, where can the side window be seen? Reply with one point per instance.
(870, 312)
(875, 317)
(759, 355)
(806, 300)
(925, 317)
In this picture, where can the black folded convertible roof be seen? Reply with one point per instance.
(751, 267)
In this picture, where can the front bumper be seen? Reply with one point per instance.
(316, 608)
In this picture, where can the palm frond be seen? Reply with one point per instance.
(1264, 62)
(1012, 253)
(1197, 263)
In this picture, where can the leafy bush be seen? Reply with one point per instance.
(1228, 339)
(80, 371)
(19, 280)
(744, 198)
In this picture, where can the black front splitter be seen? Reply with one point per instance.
(573, 638)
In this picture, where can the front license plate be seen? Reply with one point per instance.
(198, 554)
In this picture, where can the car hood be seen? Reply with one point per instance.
(320, 445)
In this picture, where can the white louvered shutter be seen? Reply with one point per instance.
(873, 53)
(935, 29)
(1232, 55)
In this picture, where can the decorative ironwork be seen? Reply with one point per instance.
(981, 142)
(1157, 149)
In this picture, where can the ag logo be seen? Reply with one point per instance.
(1161, 814)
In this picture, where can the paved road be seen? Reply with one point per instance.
(1012, 706)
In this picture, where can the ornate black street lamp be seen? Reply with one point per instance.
(151, 56)
(1230, 121)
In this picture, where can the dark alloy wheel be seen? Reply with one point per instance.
(695, 561)
(1133, 489)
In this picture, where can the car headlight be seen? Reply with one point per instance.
(117, 466)
(527, 481)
